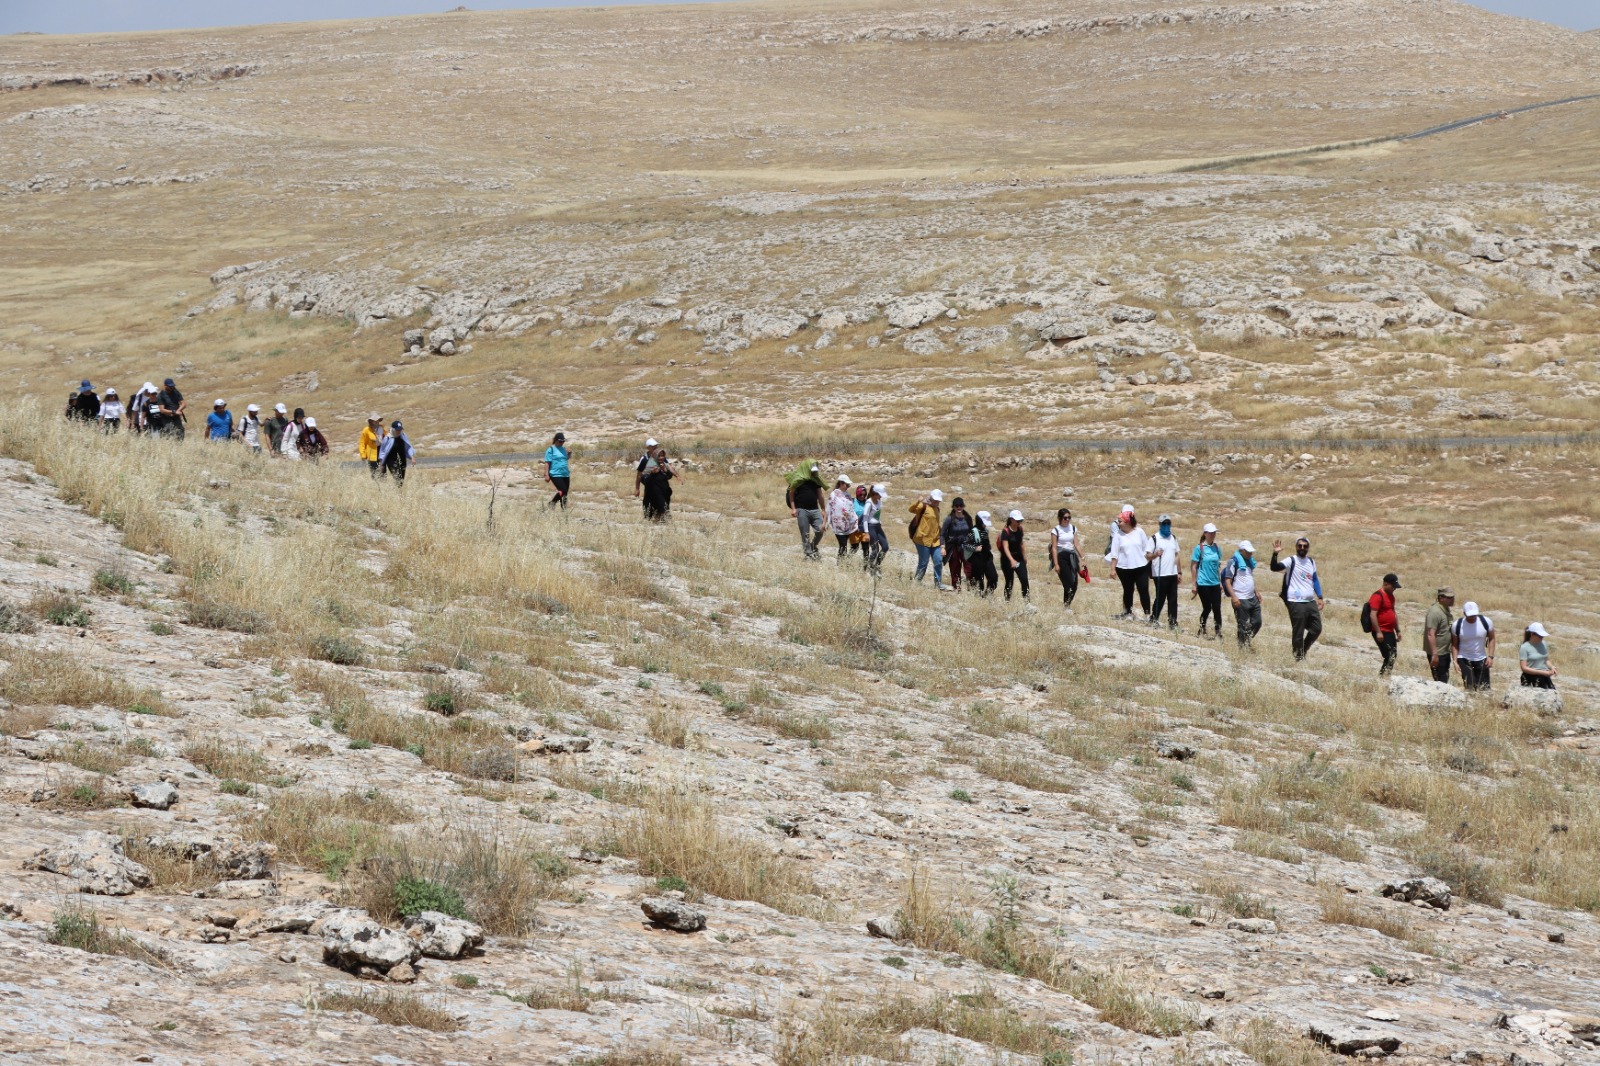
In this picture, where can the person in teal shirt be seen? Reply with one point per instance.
(1205, 567)
(558, 469)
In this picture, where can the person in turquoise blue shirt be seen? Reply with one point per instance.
(558, 469)
(219, 423)
(1205, 568)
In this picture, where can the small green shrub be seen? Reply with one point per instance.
(60, 609)
(161, 629)
(209, 614)
(413, 895)
(671, 883)
(112, 582)
(961, 795)
(234, 788)
(338, 650)
(360, 745)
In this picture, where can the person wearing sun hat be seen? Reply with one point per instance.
(174, 409)
(1472, 641)
(372, 435)
(219, 423)
(1013, 555)
(926, 535)
(843, 521)
(1534, 658)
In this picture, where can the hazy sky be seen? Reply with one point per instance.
(92, 16)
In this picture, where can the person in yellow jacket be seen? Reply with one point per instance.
(927, 535)
(372, 435)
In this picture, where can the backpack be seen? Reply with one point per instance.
(1366, 617)
(977, 540)
(916, 520)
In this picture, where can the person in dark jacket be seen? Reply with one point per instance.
(396, 453)
(83, 405)
(312, 443)
(957, 528)
(174, 409)
(979, 553)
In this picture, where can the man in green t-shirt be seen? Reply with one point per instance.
(1436, 634)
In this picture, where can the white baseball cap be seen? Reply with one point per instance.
(1246, 546)
(1538, 630)
(815, 469)
(111, 392)
(936, 496)
(984, 517)
(148, 387)
(880, 490)
(1016, 516)
(1164, 518)
(843, 479)
(311, 423)
(374, 418)
(1470, 610)
(1208, 528)
(650, 442)
(220, 403)
(282, 410)
(252, 409)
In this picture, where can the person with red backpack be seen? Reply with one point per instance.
(1378, 618)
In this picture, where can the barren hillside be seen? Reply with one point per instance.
(701, 212)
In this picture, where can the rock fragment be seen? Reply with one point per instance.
(886, 928)
(1259, 926)
(1172, 749)
(1353, 1038)
(156, 796)
(440, 936)
(1430, 890)
(672, 914)
(95, 862)
(352, 941)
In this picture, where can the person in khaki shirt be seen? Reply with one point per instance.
(1436, 634)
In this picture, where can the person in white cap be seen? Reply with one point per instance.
(312, 443)
(111, 411)
(1013, 555)
(843, 522)
(1205, 571)
(370, 446)
(1534, 658)
(1239, 585)
(139, 408)
(872, 526)
(804, 500)
(250, 428)
(1167, 572)
(1129, 555)
(219, 423)
(650, 447)
(275, 428)
(1472, 642)
(925, 529)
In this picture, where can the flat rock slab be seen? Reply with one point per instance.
(1353, 1038)
(673, 914)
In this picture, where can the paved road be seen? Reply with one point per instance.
(1153, 446)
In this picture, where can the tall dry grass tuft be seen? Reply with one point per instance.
(36, 678)
(389, 1008)
(675, 834)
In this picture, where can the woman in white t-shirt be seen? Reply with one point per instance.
(111, 411)
(1064, 558)
(1129, 555)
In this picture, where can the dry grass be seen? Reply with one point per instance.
(675, 834)
(1338, 907)
(83, 930)
(1271, 1044)
(36, 678)
(230, 761)
(835, 1034)
(324, 831)
(669, 726)
(651, 1056)
(24, 721)
(389, 1008)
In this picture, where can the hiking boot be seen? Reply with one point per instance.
(1124, 616)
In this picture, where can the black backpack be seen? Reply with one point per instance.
(1366, 617)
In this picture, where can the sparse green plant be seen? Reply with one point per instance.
(112, 582)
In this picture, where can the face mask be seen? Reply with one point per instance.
(1166, 529)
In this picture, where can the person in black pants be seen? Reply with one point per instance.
(980, 564)
(1064, 555)
(1165, 570)
(558, 469)
(1013, 560)
(1129, 552)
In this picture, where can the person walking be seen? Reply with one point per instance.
(312, 443)
(1239, 585)
(979, 552)
(1436, 634)
(277, 426)
(1534, 658)
(955, 533)
(1301, 593)
(1379, 619)
(1205, 571)
(111, 412)
(1167, 572)
(1064, 558)
(872, 525)
(1129, 555)
(843, 522)
(219, 423)
(1472, 641)
(250, 430)
(804, 500)
(371, 440)
(925, 533)
(289, 445)
(174, 409)
(139, 409)
(657, 489)
(645, 460)
(1013, 555)
(396, 453)
(558, 469)
(83, 405)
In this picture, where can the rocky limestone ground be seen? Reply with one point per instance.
(246, 968)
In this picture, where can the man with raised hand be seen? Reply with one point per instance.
(1302, 593)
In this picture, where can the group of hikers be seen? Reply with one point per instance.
(965, 544)
(164, 412)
